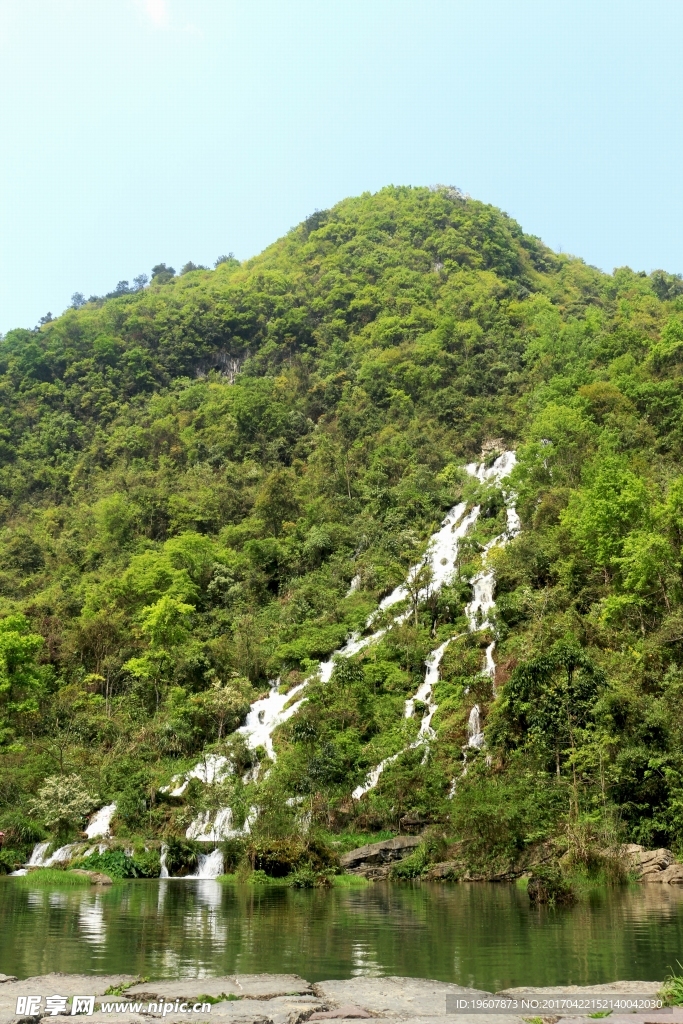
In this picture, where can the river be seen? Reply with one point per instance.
(483, 935)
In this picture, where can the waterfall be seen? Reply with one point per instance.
(213, 768)
(353, 586)
(490, 665)
(474, 729)
(266, 714)
(426, 733)
(163, 873)
(442, 552)
(204, 830)
(37, 858)
(441, 555)
(100, 822)
(482, 602)
(61, 856)
(209, 865)
(220, 828)
(424, 694)
(373, 777)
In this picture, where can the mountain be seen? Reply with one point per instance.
(210, 483)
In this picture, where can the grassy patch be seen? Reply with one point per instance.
(342, 842)
(229, 997)
(349, 882)
(53, 876)
(672, 989)
(258, 879)
(119, 990)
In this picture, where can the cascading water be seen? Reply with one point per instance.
(477, 612)
(209, 865)
(214, 768)
(440, 556)
(40, 859)
(489, 664)
(482, 602)
(100, 822)
(426, 733)
(476, 735)
(267, 713)
(38, 856)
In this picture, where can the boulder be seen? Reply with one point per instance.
(673, 875)
(444, 870)
(654, 866)
(374, 858)
(96, 877)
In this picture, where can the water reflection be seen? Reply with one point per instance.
(91, 921)
(364, 963)
(481, 935)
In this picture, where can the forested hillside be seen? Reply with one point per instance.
(193, 474)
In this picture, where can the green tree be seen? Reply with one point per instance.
(165, 627)
(21, 681)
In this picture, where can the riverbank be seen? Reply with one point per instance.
(281, 999)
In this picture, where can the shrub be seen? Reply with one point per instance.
(117, 864)
(62, 803)
(307, 878)
(547, 885)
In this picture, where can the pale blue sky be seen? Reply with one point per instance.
(140, 131)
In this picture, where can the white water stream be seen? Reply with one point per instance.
(209, 865)
(477, 611)
(100, 822)
(441, 555)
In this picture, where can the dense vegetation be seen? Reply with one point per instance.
(193, 471)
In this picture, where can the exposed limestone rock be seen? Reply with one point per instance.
(394, 1000)
(657, 866)
(96, 877)
(444, 870)
(374, 860)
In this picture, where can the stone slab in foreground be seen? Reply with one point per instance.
(289, 999)
(250, 986)
(651, 1017)
(397, 997)
(56, 984)
(617, 988)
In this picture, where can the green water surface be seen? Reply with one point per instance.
(473, 934)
